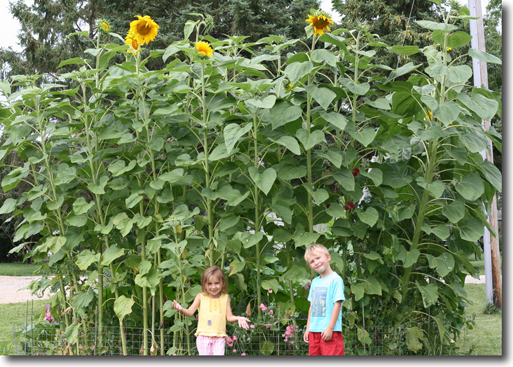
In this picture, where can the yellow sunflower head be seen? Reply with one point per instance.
(144, 30)
(131, 41)
(104, 26)
(204, 49)
(320, 22)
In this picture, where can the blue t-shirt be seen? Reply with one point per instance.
(324, 292)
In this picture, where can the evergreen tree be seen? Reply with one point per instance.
(46, 24)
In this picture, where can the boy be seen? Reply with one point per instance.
(324, 326)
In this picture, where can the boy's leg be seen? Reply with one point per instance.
(204, 345)
(218, 346)
(334, 347)
(314, 344)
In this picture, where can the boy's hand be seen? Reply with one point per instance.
(326, 334)
(305, 336)
(243, 322)
(176, 305)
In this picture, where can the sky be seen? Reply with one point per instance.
(9, 26)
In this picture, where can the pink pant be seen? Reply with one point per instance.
(210, 345)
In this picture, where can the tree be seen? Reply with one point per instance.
(393, 21)
(46, 24)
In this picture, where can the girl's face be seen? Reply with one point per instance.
(214, 287)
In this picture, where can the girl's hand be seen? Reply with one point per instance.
(176, 305)
(243, 322)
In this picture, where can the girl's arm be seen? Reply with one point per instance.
(188, 311)
(230, 317)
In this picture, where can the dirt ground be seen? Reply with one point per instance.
(11, 292)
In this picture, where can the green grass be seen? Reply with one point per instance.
(14, 314)
(485, 339)
(17, 269)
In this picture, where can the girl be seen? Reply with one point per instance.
(214, 311)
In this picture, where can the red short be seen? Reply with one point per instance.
(319, 347)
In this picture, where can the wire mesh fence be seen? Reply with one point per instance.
(47, 339)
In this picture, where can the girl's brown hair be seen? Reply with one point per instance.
(216, 272)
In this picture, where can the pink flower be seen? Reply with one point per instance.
(235, 338)
(235, 351)
(243, 354)
(271, 312)
(252, 326)
(270, 290)
(262, 307)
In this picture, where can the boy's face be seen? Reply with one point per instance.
(319, 262)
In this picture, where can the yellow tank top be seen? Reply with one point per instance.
(212, 316)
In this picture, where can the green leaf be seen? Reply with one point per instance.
(408, 257)
(376, 175)
(266, 348)
(321, 55)
(282, 112)
(298, 70)
(429, 294)
(271, 284)
(484, 107)
(9, 206)
(290, 143)
(71, 333)
(471, 187)
(267, 102)
(264, 181)
(414, 335)
(249, 239)
(483, 56)
(303, 239)
(111, 254)
(228, 220)
(370, 216)
(364, 136)
(459, 74)
(232, 134)
(434, 26)
(81, 206)
(359, 89)
(492, 174)
(358, 290)
(363, 336)
(458, 39)
(405, 69)
(448, 113)
(236, 266)
(336, 119)
(294, 273)
(133, 200)
(123, 306)
(471, 229)
(73, 61)
(86, 258)
(404, 50)
(455, 211)
(120, 167)
(345, 178)
(323, 96)
(310, 140)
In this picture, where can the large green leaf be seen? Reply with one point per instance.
(429, 294)
(265, 180)
(454, 211)
(298, 70)
(345, 178)
(310, 140)
(485, 108)
(483, 56)
(408, 257)
(369, 216)
(9, 206)
(86, 258)
(123, 306)
(323, 96)
(336, 119)
(471, 229)
(471, 187)
(290, 143)
(282, 112)
(111, 254)
(81, 206)
(232, 134)
(414, 336)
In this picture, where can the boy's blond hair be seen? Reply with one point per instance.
(316, 247)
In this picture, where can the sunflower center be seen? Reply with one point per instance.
(321, 23)
(143, 28)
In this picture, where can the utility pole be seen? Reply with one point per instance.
(493, 276)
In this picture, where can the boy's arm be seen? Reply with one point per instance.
(230, 317)
(328, 332)
(305, 335)
(188, 311)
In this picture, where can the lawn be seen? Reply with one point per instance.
(17, 269)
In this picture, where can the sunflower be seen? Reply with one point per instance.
(104, 26)
(320, 23)
(144, 30)
(131, 41)
(204, 49)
